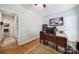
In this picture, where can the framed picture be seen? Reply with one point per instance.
(6, 25)
(6, 30)
(56, 21)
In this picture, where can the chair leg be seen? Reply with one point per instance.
(56, 48)
(40, 40)
(65, 50)
(43, 41)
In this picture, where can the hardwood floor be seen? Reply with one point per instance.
(20, 49)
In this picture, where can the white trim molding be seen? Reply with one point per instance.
(21, 43)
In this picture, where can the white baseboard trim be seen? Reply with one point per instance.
(21, 43)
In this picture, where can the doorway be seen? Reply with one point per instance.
(8, 30)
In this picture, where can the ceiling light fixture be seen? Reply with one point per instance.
(44, 5)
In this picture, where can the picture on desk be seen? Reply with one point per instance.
(56, 21)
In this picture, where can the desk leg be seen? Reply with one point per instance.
(40, 40)
(56, 48)
(65, 50)
(43, 41)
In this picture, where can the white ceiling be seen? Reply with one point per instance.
(50, 8)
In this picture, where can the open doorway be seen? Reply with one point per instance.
(8, 30)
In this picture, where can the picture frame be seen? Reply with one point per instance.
(6, 25)
(56, 21)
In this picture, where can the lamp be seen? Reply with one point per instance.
(44, 5)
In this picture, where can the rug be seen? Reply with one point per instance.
(42, 49)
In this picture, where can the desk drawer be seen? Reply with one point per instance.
(61, 39)
(51, 38)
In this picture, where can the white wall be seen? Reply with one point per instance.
(0, 21)
(70, 23)
(78, 24)
(29, 23)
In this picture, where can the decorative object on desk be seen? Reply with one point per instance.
(56, 21)
(52, 30)
(44, 27)
(60, 31)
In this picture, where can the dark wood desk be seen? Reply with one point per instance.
(59, 41)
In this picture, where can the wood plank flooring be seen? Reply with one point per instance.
(20, 49)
